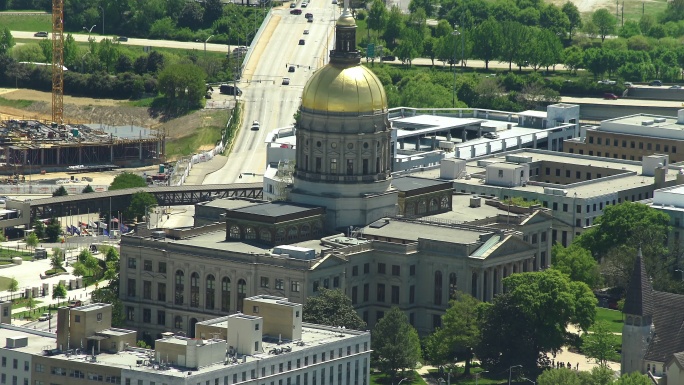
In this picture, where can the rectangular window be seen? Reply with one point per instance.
(161, 317)
(565, 207)
(264, 282)
(657, 146)
(548, 171)
(336, 282)
(355, 271)
(395, 294)
(131, 287)
(279, 284)
(333, 166)
(567, 173)
(161, 292)
(162, 267)
(558, 172)
(147, 265)
(354, 294)
(579, 209)
(381, 268)
(294, 286)
(396, 270)
(366, 290)
(147, 316)
(555, 206)
(130, 313)
(365, 166)
(412, 270)
(381, 292)
(366, 268)
(147, 290)
(318, 164)
(350, 166)
(412, 294)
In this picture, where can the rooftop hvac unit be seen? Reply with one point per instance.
(646, 122)
(475, 201)
(660, 120)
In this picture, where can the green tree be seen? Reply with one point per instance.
(574, 58)
(574, 18)
(53, 230)
(87, 189)
(127, 180)
(29, 52)
(426, 5)
(213, 10)
(142, 344)
(6, 41)
(634, 378)
(529, 319)
(553, 19)
(411, 45)
(395, 343)
(601, 344)
(605, 23)
(562, 376)
(108, 53)
(59, 292)
(110, 295)
(13, 285)
(140, 202)
(39, 228)
(577, 263)
(332, 308)
(46, 48)
(514, 35)
(459, 333)
(395, 24)
(70, 51)
(377, 16)
(184, 85)
(87, 265)
(629, 29)
(31, 303)
(60, 192)
(486, 41)
(57, 259)
(32, 240)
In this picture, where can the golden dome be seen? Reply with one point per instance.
(346, 20)
(340, 88)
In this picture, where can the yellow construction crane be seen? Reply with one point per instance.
(58, 61)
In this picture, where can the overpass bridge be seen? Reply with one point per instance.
(119, 200)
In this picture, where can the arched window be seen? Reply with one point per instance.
(280, 235)
(249, 233)
(179, 287)
(194, 290)
(444, 202)
(225, 294)
(422, 207)
(304, 230)
(438, 287)
(433, 205)
(453, 285)
(265, 235)
(410, 210)
(292, 233)
(317, 228)
(234, 232)
(211, 292)
(242, 293)
(178, 322)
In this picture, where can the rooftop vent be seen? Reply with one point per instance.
(660, 120)
(646, 122)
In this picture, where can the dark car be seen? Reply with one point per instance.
(389, 58)
(296, 12)
(610, 96)
(293, 5)
(41, 34)
(301, 42)
(122, 38)
(657, 83)
(291, 69)
(308, 15)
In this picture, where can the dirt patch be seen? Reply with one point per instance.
(40, 96)
(180, 127)
(586, 6)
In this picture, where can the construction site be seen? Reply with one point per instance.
(45, 146)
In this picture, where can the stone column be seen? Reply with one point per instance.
(480, 288)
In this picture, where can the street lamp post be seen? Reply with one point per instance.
(527, 379)
(30, 172)
(477, 375)
(103, 14)
(90, 30)
(205, 45)
(402, 380)
(453, 67)
(509, 372)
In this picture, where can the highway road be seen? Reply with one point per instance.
(265, 98)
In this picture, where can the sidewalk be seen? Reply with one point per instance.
(201, 170)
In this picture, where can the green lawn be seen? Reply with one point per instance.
(613, 318)
(32, 23)
(200, 136)
(381, 379)
(21, 302)
(633, 9)
(15, 103)
(4, 283)
(457, 376)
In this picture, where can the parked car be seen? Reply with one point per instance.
(608, 82)
(491, 135)
(676, 87)
(656, 83)
(75, 303)
(122, 38)
(293, 4)
(286, 81)
(389, 58)
(45, 317)
(629, 84)
(296, 12)
(610, 96)
(304, 5)
(40, 34)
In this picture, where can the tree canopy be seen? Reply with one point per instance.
(395, 342)
(140, 202)
(601, 344)
(59, 291)
(127, 180)
(577, 263)
(459, 333)
(183, 85)
(60, 192)
(333, 308)
(530, 318)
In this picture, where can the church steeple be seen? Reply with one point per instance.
(639, 298)
(345, 39)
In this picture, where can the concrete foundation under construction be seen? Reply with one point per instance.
(53, 147)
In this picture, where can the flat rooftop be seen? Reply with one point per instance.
(645, 125)
(631, 176)
(408, 183)
(462, 212)
(228, 204)
(413, 231)
(275, 209)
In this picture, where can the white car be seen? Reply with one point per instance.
(45, 317)
(608, 82)
(255, 125)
